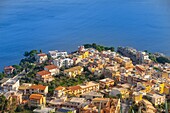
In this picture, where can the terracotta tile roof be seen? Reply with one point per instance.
(140, 68)
(73, 88)
(36, 96)
(8, 67)
(41, 54)
(43, 73)
(49, 67)
(25, 101)
(40, 87)
(59, 88)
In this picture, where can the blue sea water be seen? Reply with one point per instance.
(65, 24)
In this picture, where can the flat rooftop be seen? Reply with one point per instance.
(93, 93)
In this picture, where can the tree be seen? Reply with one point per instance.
(2, 102)
(146, 51)
(94, 45)
(26, 54)
(40, 51)
(2, 75)
(112, 48)
(152, 57)
(119, 96)
(162, 60)
(19, 108)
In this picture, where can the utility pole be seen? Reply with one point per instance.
(166, 106)
(99, 107)
(121, 107)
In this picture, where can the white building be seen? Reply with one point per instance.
(157, 99)
(55, 54)
(59, 91)
(91, 95)
(40, 58)
(52, 69)
(67, 62)
(74, 102)
(11, 84)
(142, 56)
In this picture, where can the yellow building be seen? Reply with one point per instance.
(118, 59)
(137, 97)
(74, 71)
(37, 100)
(166, 74)
(74, 90)
(120, 91)
(161, 88)
(84, 55)
(127, 64)
(77, 90)
(105, 83)
(146, 85)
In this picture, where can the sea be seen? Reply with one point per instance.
(66, 24)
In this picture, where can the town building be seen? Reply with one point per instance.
(39, 89)
(13, 95)
(59, 91)
(89, 86)
(37, 100)
(74, 90)
(24, 88)
(44, 76)
(137, 97)
(166, 74)
(56, 54)
(74, 102)
(119, 91)
(148, 107)
(100, 102)
(44, 110)
(57, 102)
(9, 70)
(54, 70)
(167, 91)
(74, 71)
(91, 95)
(106, 83)
(157, 99)
(10, 84)
(40, 58)
(140, 70)
(66, 62)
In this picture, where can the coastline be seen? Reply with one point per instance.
(18, 59)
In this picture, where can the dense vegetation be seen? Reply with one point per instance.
(162, 60)
(159, 59)
(10, 106)
(98, 47)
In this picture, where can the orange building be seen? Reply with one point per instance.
(44, 76)
(37, 100)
